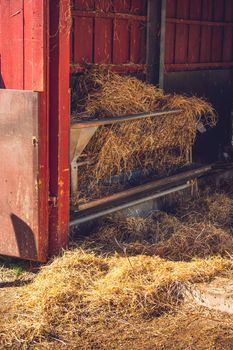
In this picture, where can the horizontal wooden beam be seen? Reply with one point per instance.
(199, 23)
(189, 66)
(117, 68)
(102, 14)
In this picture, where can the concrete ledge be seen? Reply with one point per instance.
(216, 295)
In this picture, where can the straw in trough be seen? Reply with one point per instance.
(152, 145)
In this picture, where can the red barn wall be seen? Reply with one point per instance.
(22, 44)
(199, 34)
(109, 32)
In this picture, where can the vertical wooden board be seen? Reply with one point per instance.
(22, 53)
(194, 32)
(206, 32)
(207, 10)
(84, 5)
(103, 41)
(139, 7)
(104, 5)
(170, 43)
(228, 33)
(83, 40)
(217, 40)
(34, 45)
(217, 35)
(12, 63)
(171, 8)
(138, 43)
(227, 45)
(181, 39)
(38, 43)
(170, 33)
(16, 18)
(228, 10)
(59, 124)
(218, 10)
(121, 41)
(121, 6)
(28, 50)
(206, 36)
(1, 80)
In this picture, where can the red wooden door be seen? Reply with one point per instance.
(24, 129)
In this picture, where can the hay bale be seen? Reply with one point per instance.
(155, 145)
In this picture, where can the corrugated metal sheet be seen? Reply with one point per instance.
(199, 34)
(109, 32)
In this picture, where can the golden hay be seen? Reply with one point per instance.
(217, 208)
(133, 234)
(161, 235)
(150, 145)
(74, 300)
(199, 240)
(80, 291)
(220, 209)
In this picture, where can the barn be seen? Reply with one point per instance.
(182, 46)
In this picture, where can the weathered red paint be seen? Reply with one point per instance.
(194, 32)
(198, 34)
(21, 234)
(107, 32)
(22, 46)
(24, 55)
(59, 123)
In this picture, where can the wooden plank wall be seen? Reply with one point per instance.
(22, 44)
(109, 32)
(198, 34)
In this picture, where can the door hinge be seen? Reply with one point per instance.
(53, 201)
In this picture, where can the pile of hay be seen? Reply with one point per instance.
(80, 292)
(132, 235)
(215, 208)
(152, 145)
(160, 235)
(131, 271)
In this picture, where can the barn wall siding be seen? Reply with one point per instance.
(22, 44)
(109, 32)
(199, 35)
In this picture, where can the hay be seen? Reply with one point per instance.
(78, 292)
(215, 208)
(83, 297)
(162, 235)
(152, 145)
(133, 235)
(199, 240)
(220, 209)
